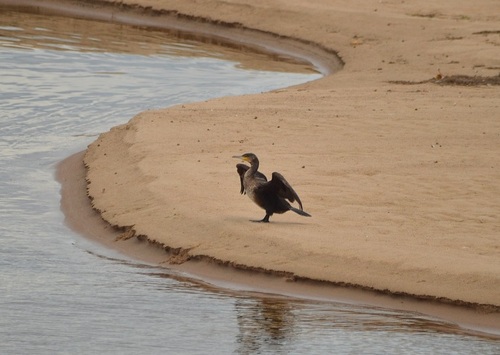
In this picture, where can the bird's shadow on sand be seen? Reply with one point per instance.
(275, 222)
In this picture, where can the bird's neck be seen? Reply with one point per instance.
(253, 167)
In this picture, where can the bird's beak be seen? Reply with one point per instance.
(239, 157)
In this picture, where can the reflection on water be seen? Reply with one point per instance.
(70, 34)
(264, 324)
(62, 82)
(282, 325)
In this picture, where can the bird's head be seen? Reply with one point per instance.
(248, 157)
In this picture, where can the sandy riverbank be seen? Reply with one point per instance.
(401, 180)
(83, 218)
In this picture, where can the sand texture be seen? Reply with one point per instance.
(400, 171)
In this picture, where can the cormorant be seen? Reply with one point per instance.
(269, 195)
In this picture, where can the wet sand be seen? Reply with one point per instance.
(399, 172)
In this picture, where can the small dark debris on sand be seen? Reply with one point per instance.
(460, 80)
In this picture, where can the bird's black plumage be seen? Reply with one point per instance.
(271, 195)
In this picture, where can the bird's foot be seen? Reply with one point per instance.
(263, 220)
(259, 221)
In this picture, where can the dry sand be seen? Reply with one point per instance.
(402, 181)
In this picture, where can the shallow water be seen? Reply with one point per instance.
(62, 81)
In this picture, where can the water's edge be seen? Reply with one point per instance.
(325, 60)
(81, 217)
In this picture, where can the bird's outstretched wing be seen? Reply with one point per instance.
(242, 169)
(280, 186)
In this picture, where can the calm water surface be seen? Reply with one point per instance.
(62, 81)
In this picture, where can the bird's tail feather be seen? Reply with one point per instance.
(302, 213)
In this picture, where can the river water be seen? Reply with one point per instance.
(62, 82)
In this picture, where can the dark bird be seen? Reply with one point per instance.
(269, 195)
